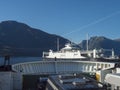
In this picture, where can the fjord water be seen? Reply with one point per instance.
(15, 60)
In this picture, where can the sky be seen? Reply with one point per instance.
(72, 19)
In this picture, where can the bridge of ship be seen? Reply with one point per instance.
(60, 67)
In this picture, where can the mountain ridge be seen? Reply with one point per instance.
(99, 42)
(20, 39)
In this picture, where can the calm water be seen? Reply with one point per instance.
(14, 60)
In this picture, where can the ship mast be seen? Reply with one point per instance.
(87, 48)
(57, 44)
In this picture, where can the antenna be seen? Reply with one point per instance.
(87, 48)
(57, 44)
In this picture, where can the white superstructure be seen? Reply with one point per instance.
(68, 52)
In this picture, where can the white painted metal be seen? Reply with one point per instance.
(117, 70)
(113, 79)
(58, 67)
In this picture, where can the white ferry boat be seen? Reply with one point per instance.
(71, 52)
(68, 52)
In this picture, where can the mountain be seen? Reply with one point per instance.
(20, 39)
(117, 39)
(99, 42)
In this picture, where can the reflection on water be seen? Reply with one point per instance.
(14, 60)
